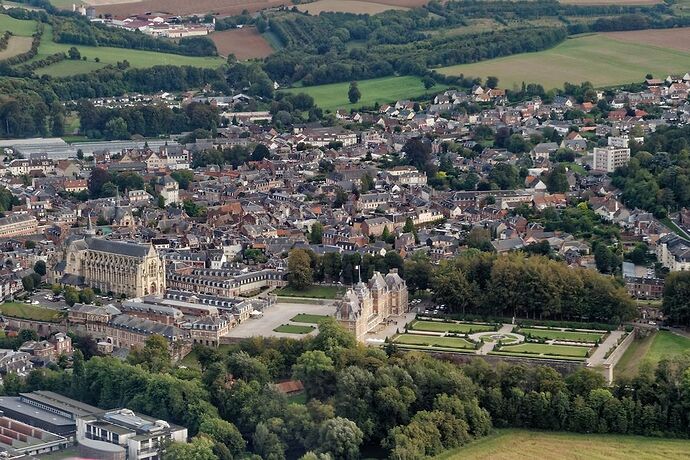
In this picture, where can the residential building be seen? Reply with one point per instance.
(608, 158)
(673, 252)
(18, 225)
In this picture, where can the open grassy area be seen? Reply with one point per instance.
(294, 329)
(313, 292)
(571, 336)
(26, 311)
(381, 90)
(308, 318)
(439, 326)
(524, 444)
(597, 58)
(17, 26)
(672, 225)
(651, 350)
(430, 340)
(544, 349)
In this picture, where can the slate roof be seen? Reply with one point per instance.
(118, 247)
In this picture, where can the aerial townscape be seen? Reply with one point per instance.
(344, 229)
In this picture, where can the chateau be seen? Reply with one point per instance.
(365, 306)
(119, 267)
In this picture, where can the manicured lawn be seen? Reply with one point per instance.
(381, 90)
(26, 311)
(294, 329)
(524, 444)
(439, 326)
(597, 58)
(672, 225)
(571, 336)
(313, 292)
(651, 350)
(17, 26)
(551, 350)
(308, 318)
(430, 340)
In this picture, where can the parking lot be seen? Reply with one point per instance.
(42, 298)
(274, 316)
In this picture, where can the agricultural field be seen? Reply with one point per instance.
(16, 45)
(382, 90)
(184, 7)
(347, 6)
(524, 444)
(246, 43)
(294, 329)
(434, 341)
(612, 2)
(649, 351)
(598, 58)
(570, 336)
(677, 39)
(308, 318)
(17, 26)
(542, 349)
(27, 311)
(440, 326)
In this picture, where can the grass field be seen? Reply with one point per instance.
(17, 45)
(308, 318)
(109, 55)
(17, 26)
(346, 6)
(561, 335)
(597, 58)
(430, 340)
(314, 292)
(523, 444)
(294, 329)
(651, 349)
(672, 225)
(381, 90)
(544, 349)
(26, 311)
(438, 326)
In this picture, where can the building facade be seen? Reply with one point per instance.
(609, 158)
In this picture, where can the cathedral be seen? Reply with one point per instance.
(366, 306)
(120, 267)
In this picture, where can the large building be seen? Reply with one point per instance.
(673, 252)
(366, 306)
(120, 267)
(18, 225)
(609, 158)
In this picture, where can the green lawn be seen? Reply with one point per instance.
(294, 329)
(651, 350)
(528, 445)
(430, 340)
(381, 90)
(595, 58)
(544, 349)
(26, 311)
(439, 326)
(308, 318)
(109, 55)
(571, 336)
(672, 225)
(17, 26)
(313, 292)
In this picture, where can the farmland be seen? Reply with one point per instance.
(649, 351)
(184, 7)
(246, 43)
(612, 2)
(381, 90)
(677, 39)
(523, 444)
(598, 58)
(17, 45)
(347, 6)
(17, 26)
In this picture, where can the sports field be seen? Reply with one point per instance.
(651, 349)
(547, 350)
(440, 326)
(431, 340)
(381, 90)
(571, 336)
(604, 60)
(528, 445)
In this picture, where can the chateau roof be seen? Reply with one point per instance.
(124, 248)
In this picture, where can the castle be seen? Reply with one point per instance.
(366, 306)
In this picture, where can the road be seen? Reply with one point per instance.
(599, 355)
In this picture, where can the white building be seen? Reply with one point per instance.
(673, 252)
(609, 158)
(620, 142)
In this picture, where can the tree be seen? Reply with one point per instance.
(40, 267)
(300, 273)
(260, 152)
(28, 283)
(505, 176)
(676, 303)
(183, 177)
(154, 356)
(200, 448)
(97, 179)
(353, 94)
(341, 438)
(316, 234)
(492, 82)
(71, 295)
(74, 54)
(267, 443)
(317, 373)
(223, 432)
(556, 180)
(86, 295)
(428, 82)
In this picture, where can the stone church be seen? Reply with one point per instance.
(120, 267)
(366, 306)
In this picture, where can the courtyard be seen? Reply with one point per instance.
(282, 317)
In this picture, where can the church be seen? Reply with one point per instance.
(121, 267)
(366, 306)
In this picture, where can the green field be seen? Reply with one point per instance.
(313, 292)
(308, 318)
(439, 326)
(431, 340)
(294, 329)
(544, 349)
(109, 55)
(595, 58)
(571, 336)
(17, 26)
(528, 445)
(651, 349)
(26, 311)
(381, 90)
